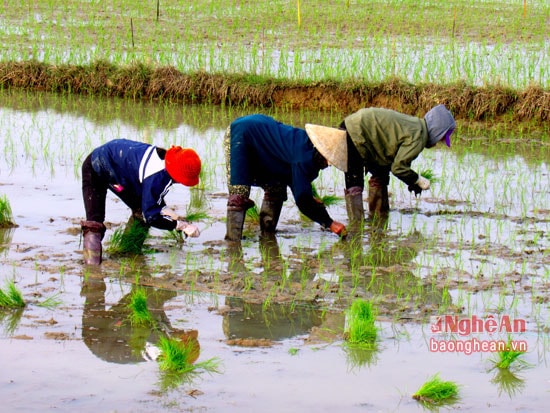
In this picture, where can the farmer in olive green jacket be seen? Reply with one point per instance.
(381, 141)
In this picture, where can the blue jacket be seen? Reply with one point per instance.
(136, 173)
(267, 152)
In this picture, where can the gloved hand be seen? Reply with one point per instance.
(338, 228)
(423, 183)
(188, 229)
(417, 190)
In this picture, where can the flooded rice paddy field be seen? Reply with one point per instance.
(477, 245)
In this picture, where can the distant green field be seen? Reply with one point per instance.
(482, 42)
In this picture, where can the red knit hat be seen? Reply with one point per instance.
(183, 165)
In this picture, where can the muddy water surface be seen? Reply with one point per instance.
(477, 245)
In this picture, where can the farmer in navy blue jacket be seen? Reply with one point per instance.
(261, 151)
(140, 175)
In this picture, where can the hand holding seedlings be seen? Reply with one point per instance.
(188, 229)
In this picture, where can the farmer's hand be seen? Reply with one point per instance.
(169, 213)
(416, 189)
(423, 183)
(188, 229)
(338, 228)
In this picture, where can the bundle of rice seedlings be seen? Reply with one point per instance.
(11, 297)
(361, 328)
(504, 359)
(429, 175)
(140, 316)
(327, 200)
(128, 240)
(6, 216)
(179, 355)
(436, 391)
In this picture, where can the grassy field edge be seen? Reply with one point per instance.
(492, 104)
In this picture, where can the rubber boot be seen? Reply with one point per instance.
(93, 233)
(379, 205)
(269, 215)
(354, 204)
(236, 212)
(235, 223)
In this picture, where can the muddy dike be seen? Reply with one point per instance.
(493, 106)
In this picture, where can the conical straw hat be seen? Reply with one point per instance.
(331, 143)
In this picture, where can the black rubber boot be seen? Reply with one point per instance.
(269, 215)
(236, 212)
(354, 204)
(93, 233)
(235, 223)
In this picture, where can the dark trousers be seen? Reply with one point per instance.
(94, 192)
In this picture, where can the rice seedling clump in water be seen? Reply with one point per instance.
(504, 359)
(6, 216)
(140, 315)
(129, 240)
(11, 297)
(360, 323)
(436, 391)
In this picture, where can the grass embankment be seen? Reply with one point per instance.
(470, 103)
(484, 60)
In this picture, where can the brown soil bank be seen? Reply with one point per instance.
(494, 104)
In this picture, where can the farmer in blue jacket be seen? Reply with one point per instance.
(140, 175)
(261, 151)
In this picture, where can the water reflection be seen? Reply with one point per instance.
(108, 333)
(6, 236)
(248, 320)
(383, 264)
(508, 382)
(359, 356)
(10, 319)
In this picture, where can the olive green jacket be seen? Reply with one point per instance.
(387, 138)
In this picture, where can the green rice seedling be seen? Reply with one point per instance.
(254, 214)
(11, 297)
(436, 391)
(50, 302)
(140, 315)
(327, 200)
(196, 216)
(429, 175)
(506, 358)
(361, 328)
(179, 356)
(6, 216)
(293, 351)
(128, 240)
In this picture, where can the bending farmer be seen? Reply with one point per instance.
(140, 175)
(261, 151)
(381, 141)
